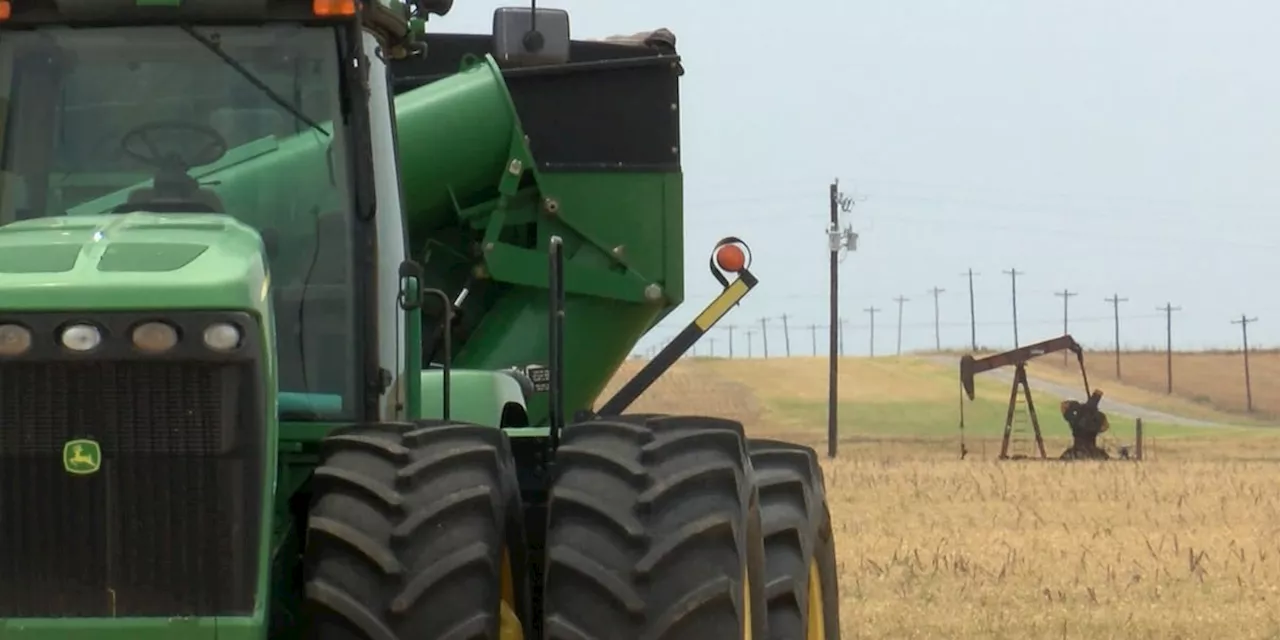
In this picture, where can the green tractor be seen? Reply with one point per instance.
(304, 314)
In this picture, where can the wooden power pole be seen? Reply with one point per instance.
(1065, 295)
(900, 300)
(1244, 339)
(1115, 301)
(937, 330)
(1168, 310)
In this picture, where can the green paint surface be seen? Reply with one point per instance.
(227, 272)
(460, 140)
(40, 258)
(149, 256)
(176, 628)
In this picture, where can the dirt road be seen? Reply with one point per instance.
(1039, 385)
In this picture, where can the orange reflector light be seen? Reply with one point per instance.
(6, 9)
(731, 258)
(328, 8)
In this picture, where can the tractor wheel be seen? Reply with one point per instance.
(654, 532)
(800, 557)
(415, 531)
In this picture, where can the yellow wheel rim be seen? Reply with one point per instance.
(508, 622)
(746, 605)
(817, 628)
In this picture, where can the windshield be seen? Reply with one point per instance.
(234, 120)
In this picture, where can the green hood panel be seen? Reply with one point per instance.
(132, 261)
(38, 258)
(149, 256)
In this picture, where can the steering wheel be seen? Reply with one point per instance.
(214, 148)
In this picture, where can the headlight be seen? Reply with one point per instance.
(222, 336)
(14, 339)
(81, 337)
(155, 337)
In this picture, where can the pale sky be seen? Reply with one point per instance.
(1096, 146)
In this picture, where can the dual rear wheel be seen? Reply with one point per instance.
(660, 527)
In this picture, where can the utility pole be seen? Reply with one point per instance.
(842, 321)
(973, 319)
(786, 335)
(1115, 301)
(872, 311)
(835, 241)
(1244, 338)
(730, 328)
(1013, 278)
(937, 331)
(1168, 310)
(764, 336)
(750, 333)
(711, 342)
(813, 333)
(900, 300)
(1065, 295)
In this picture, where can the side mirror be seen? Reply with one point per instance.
(524, 37)
(438, 7)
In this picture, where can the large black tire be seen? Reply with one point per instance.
(654, 533)
(415, 532)
(798, 542)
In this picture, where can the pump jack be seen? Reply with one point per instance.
(1083, 418)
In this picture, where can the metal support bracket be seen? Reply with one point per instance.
(733, 294)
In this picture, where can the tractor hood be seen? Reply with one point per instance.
(132, 261)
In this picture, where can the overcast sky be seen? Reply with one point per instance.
(1100, 147)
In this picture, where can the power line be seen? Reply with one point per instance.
(1168, 310)
(1013, 279)
(900, 300)
(1115, 301)
(786, 335)
(872, 312)
(973, 319)
(1065, 295)
(841, 337)
(937, 333)
(1192, 236)
(836, 202)
(1244, 339)
(764, 335)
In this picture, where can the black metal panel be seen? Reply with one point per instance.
(169, 524)
(604, 116)
(611, 108)
(445, 52)
(32, 13)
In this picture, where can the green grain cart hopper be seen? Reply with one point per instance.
(304, 314)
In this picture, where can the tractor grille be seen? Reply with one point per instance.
(167, 526)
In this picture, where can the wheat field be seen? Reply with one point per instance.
(1183, 545)
(949, 549)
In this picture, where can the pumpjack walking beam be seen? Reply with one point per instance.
(731, 255)
(1018, 358)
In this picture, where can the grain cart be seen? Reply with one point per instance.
(303, 318)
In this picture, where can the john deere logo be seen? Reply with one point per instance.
(81, 457)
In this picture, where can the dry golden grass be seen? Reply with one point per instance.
(934, 548)
(1183, 545)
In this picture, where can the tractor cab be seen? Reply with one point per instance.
(191, 112)
(153, 120)
(276, 113)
